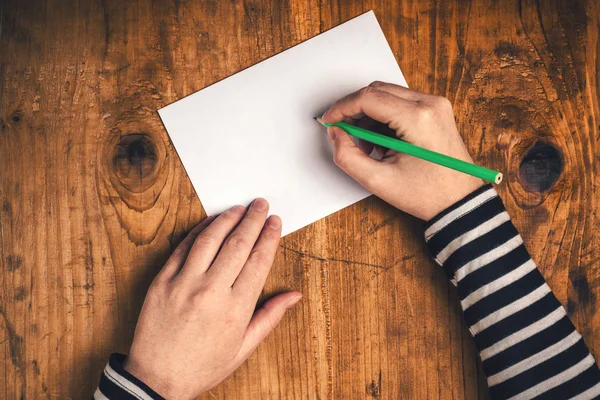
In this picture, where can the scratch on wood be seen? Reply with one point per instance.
(382, 224)
(319, 258)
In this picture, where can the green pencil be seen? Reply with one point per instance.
(404, 147)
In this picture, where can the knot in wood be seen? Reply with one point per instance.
(135, 158)
(540, 167)
(16, 117)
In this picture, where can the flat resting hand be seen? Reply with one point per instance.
(198, 322)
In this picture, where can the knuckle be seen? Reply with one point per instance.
(158, 286)
(271, 234)
(229, 216)
(198, 301)
(367, 91)
(253, 215)
(272, 322)
(442, 102)
(236, 242)
(425, 113)
(178, 255)
(233, 215)
(176, 296)
(205, 240)
(259, 258)
(160, 281)
(269, 322)
(339, 158)
(272, 319)
(377, 84)
(204, 298)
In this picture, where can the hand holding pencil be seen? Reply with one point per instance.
(413, 185)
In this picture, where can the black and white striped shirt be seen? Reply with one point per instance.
(117, 384)
(528, 345)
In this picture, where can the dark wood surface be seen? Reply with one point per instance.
(93, 197)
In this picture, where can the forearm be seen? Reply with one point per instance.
(527, 343)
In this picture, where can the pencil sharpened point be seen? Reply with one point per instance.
(319, 120)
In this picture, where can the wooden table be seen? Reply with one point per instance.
(93, 197)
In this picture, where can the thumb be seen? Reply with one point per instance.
(352, 160)
(264, 320)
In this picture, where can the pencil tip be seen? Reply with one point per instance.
(319, 120)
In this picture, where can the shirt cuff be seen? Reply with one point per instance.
(468, 229)
(116, 383)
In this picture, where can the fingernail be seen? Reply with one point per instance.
(325, 113)
(259, 204)
(293, 301)
(237, 209)
(274, 222)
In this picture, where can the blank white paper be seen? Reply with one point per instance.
(253, 134)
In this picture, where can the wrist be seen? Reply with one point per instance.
(453, 193)
(466, 204)
(160, 384)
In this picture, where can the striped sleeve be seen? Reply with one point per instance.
(116, 383)
(528, 345)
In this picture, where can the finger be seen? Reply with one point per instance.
(352, 160)
(380, 151)
(252, 278)
(264, 320)
(400, 91)
(208, 242)
(377, 104)
(366, 147)
(368, 123)
(375, 126)
(178, 257)
(239, 244)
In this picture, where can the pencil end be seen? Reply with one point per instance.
(499, 178)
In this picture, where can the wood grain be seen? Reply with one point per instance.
(93, 197)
